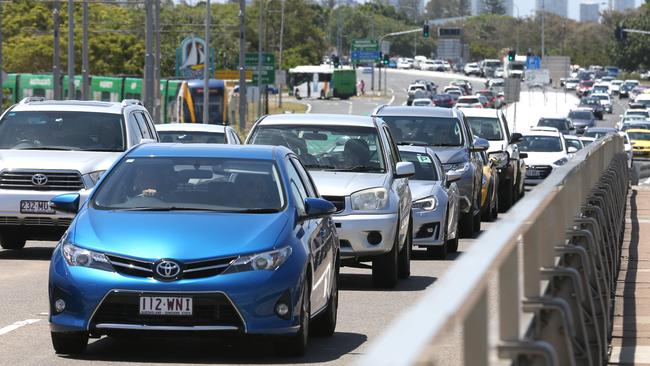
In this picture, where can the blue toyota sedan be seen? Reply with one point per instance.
(197, 239)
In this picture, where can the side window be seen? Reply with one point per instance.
(150, 125)
(142, 124)
(234, 137)
(297, 188)
(394, 151)
(306, 179)
(505, 126)
(134, 130)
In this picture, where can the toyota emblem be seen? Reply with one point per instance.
(39, 179)
(167, 269)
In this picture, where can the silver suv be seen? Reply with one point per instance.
(356, 165)
(52, 147)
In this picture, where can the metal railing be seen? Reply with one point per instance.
(554, 257)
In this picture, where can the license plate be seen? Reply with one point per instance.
(35, 207)
(155, 305)
(533, 173)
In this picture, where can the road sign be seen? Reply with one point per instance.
(232, 75)
(190, 58)
(539, 77)
(533, 62)
(385, 47)
(449, 32)
(449, 49)
(365, 56)
(511, 89)
(365, 50)
(280, 76)
(268, 67)
(558, 67)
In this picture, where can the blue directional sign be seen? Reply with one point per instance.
(533, 62)
(365, 56)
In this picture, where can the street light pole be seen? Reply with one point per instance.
(148, 58)
(281, 82)
(543, 46)
(70, 49)
(206, 66)
(260, 39)
(242, 65)
(56, 60)
(157, 109)
(85, 77)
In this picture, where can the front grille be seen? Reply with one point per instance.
(545, 171)
(35, 221)
(56, 181)
(337, 201)
(208, 309)
(191, 270)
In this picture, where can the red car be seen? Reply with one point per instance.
(584, 88)
(490, 96)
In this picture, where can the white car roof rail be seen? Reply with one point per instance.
(127, 102)
(32, 99)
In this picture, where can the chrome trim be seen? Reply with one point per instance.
(124, 265)
(164, 327)
(207, 268)
(243, 320)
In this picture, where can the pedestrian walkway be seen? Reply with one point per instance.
(631, 334)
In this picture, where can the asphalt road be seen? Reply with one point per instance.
(364, 312)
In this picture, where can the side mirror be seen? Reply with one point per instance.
(480, 144)
(516, 137)
(572, 150)
(453, 176)
(68, 202)
(404, 169)
(523, 155)
(318, 207)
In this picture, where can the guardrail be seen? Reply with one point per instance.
(555, 258)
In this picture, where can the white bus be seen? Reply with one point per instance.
(322, 81)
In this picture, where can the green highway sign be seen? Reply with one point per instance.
(268, 67)
(367, 45)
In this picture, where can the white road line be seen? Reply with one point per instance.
(350, 107)
(392, 99)
(16, 325)
(308, 108)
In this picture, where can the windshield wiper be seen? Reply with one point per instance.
(48, 148)
(446, 145)
(412, 143)
(258, 210)
(167, 208)
(359, 168)
(319, 166)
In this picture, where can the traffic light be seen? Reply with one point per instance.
(619, 33)
(425, 30)
(386, 59)
(511, 55)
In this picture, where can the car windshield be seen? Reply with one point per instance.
(597, 134)
(196, 137)
(560, 124)
(637, 135)
(645, 102)
(425, 168)
(573, 142)
(581, 115)
(427, 131)
(323, 147)
(637, 112)
(191, 183)
(587, 83)
(586, 141)
(62, 130)
(536, 143)
(486, 127)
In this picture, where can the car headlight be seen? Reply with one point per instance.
(501, 158)
(94, 176)
(270, 260)
(561, 161)
(428, 203)
(369, 199)
(462, 167)
(76, 256)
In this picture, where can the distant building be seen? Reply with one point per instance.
(559, 7)
(589, 12)
(623, 5)
(477, 7)
(510, 9)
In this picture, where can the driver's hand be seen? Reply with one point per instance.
(149, 192)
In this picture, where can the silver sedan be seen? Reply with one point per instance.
(435, 202)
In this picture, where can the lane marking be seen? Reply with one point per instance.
(392, 99)
(350, 107)
(18, 324)
(308, 108)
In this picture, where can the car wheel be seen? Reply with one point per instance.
(506, 197)
(69, 343)
(12, 241)
(385, 267)
(296, 345)
(494, 213)
(324, 325)
(404, 271)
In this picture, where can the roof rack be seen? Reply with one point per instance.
(127, 102)
(32, 99)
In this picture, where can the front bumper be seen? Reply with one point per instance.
(354, 229)
(429, 227)
(252, 296)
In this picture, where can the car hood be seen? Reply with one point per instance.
(177, 235)
(450, 154)
(422, 188)
(543, 158)
(581, 122)
(81, 161)
(345, 183)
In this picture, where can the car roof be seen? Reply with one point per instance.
(202, 127)
(545, 129)
(571, 137)
(462, 97)
(581, 109)
(261, 152)
(69, 105)
(417, 112)
(535, 132)
(602, 129)
(479, 112)
(317, 119)
(600, 94)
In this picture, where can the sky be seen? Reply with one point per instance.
(526, 7)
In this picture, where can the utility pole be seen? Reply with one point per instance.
(206, 66)
(157, 111)
(543, 11)
(281, 82)
(242, 65)
(71, 50)
(148, 94)
(56, 61)
(85, 78)
(259, 59)
(2, 95)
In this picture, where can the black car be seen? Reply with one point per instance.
(564, 125)
(582, 118)
(443, 100)
(594, 104)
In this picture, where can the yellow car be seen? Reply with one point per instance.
(640, 141)
(489, 191)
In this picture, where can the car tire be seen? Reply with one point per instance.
(477, 223)
(404, 270)
(494, 212)
(12, 241)
(324, 325)
(69, 343)
(506, 197)
(296, 345)
(385, 267)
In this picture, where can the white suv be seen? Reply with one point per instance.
(52, 147)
